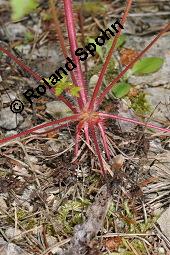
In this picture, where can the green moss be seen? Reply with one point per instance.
(30, 224)
(140, 104)
(27, 222)
(70, 214)
(50, 229)
(21, 214)
(110, 71)
(97, 68)
(139, 246)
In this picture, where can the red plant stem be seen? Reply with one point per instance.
(60, 35)
(106, 63)
(105, 144)
(112, 116)
(36, 76)
(109, 87)
(73, 118)
(86, 132)
(96, 145)
(51, 129)
(73, 47)
(77, 139)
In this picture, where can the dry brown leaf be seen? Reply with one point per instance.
(127, 55)
(113, 243)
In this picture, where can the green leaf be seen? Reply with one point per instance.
(98, 48)
(20, 8)
(147, 65)
(121, 89)
(58, 91)
(75, 91)
(63, 85)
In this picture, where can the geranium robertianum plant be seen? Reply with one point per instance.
(89, 120)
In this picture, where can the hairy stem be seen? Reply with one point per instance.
(77, 139)
(109, 87)
(51, 129)
(105, 144)
(60, 35)
(72, 118)
(97, 149)
(73, 47)
(108, 58)
(112, 116)
(86, 132)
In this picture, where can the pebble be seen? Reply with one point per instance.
(11, 248)
(8, 119)
(12, 232)
(57, 108)
(3, 204)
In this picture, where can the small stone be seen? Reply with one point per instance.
(26, 124)
(93, 80)
(161, 250)
(13, 233)
(3, 204)
(51, 242)
(6, 98)
(124, 111)
(159, 99)
(56, 108)
(8, 119)
(33, 159)
(164, 222)
(12, 132)
(15, 31)
(155, 146)
(11, 249)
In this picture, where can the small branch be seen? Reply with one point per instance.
(109, 87)
(108, 58)
(112, 116)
